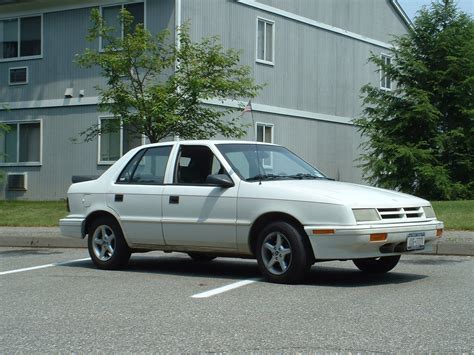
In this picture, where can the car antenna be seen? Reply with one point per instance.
(248, 108)
(258, 164)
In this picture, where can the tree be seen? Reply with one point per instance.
(157, 86)
(421, 133)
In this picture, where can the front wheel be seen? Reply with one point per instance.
(107, 246)
(281, 253)
(377, 265)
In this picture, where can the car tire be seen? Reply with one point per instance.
(201, 257)
(377, 265)
(281, 253)
(107, 246)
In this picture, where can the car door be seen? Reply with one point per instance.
(196, 213)
(136, 195)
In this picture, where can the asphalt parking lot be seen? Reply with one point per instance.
(55, 300)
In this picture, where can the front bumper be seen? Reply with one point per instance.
(353, 242)
(72, 227)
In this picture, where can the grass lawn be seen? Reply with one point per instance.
(31, 213)
(456, 215)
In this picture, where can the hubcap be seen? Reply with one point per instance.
(276, 253)
(103, 243)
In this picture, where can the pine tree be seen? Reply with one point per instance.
(421, 133)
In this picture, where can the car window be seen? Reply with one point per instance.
(240, 163)
(195, 163)
(254, 162)
(146, 168)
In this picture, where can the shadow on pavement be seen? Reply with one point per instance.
(241, 269)
(344, 277)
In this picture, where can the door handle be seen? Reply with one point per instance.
(118, 198)
(174, 199)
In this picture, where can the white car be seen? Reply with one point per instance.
(243, 199)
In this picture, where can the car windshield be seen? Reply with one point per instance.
(256, 162)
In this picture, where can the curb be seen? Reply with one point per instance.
(459, 243)
(38, 237)
(455, 243)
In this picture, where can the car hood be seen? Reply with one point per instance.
(333, 192)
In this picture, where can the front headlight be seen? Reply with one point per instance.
(429, 212)
(366, 214)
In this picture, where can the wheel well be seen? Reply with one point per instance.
(262, 221)
(94, 215)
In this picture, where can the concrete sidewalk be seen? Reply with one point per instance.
(452, 242)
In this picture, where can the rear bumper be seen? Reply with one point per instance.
(72, 227)
(353, 242)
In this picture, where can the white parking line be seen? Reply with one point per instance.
(41, 266)
(222, 289)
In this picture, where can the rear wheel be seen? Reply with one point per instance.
(201, 257)
(377, 265)
(107, 246)
(281, 253)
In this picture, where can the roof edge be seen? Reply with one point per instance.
(401, 13)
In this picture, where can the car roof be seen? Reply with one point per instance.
(207, 142)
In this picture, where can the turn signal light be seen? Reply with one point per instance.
(378, 237)
(324, 231)
(439, 233)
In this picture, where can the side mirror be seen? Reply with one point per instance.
(222, 180)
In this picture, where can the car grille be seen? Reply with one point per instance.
(400, 213)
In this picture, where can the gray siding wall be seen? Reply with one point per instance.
(61, 157)
(64, 36)
(372, 18)
(315, 70)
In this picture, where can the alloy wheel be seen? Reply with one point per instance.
(276, 253)
(103, 243)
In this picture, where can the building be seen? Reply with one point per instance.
(311, 53)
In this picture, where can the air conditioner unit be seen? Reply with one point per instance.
(17, 182)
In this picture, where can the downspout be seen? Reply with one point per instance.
(177, 22)
(177, 28)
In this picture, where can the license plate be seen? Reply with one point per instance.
(416, 241)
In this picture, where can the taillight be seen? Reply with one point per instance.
(67, 205)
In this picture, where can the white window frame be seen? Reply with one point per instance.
(122, 4)
(110, 162)
(265, 125)
(383, 77)
(38, 56)
(22, 83)
(32, 163)
(263, 61)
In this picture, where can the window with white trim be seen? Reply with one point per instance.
(385, 82)
(116, 139)
(264, 133)
(21, 143)
(265, 41)
(18, 76)
(21, 37)
(111, 16)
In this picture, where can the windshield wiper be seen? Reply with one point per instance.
(266, 177)
(301, 176)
